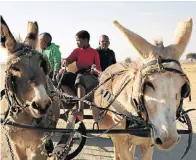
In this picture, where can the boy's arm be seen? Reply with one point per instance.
(57, 60)
(71, 58)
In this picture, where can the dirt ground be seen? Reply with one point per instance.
(101, 148)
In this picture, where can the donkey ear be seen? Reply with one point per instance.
(32, 35)
(144, 48)
(7, 39)
(181, 38)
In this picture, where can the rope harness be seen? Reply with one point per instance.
(156, 66)
(16, 106)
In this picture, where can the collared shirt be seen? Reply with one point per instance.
(107, 57)
(84, 58)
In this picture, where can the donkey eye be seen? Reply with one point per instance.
(149, 84)
(185, 90)
(15, 69)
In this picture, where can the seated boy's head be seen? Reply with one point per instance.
(104, 42)
(82, 39)
(45, 40)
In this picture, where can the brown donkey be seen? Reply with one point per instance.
(28, 98)
(154, 88)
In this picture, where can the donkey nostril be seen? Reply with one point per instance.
(158, 141)
(48, 105)
(34, 105)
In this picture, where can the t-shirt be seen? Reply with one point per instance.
(85, 58)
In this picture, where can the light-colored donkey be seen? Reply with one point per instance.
(28, 93)
(155, 85)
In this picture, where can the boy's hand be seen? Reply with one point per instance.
(61, 71)
(64, 63)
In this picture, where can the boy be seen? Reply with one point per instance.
(107, 56)
(52, 52)
(83, 80)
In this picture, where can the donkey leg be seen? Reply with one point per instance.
(122, 149)
(35, 154)
(116, 156)
(20, 153)
(146, 151)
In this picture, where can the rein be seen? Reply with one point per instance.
(181, 114)
(157, 66)
(15, 105)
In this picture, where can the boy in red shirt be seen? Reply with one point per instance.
(82, 81)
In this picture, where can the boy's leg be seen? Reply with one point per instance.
(81, 91)
(68, 90)
(67, 82)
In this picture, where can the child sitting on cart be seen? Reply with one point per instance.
(83, 80)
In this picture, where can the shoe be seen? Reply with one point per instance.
(49, 147)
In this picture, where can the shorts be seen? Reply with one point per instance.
(87, 80)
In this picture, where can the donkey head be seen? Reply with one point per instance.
(26, 70)
(160, 84)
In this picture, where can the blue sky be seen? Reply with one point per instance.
(64, 19)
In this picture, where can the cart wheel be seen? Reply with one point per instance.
(78, 141)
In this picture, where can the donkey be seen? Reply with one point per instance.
(28, 94)
(152, 88)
